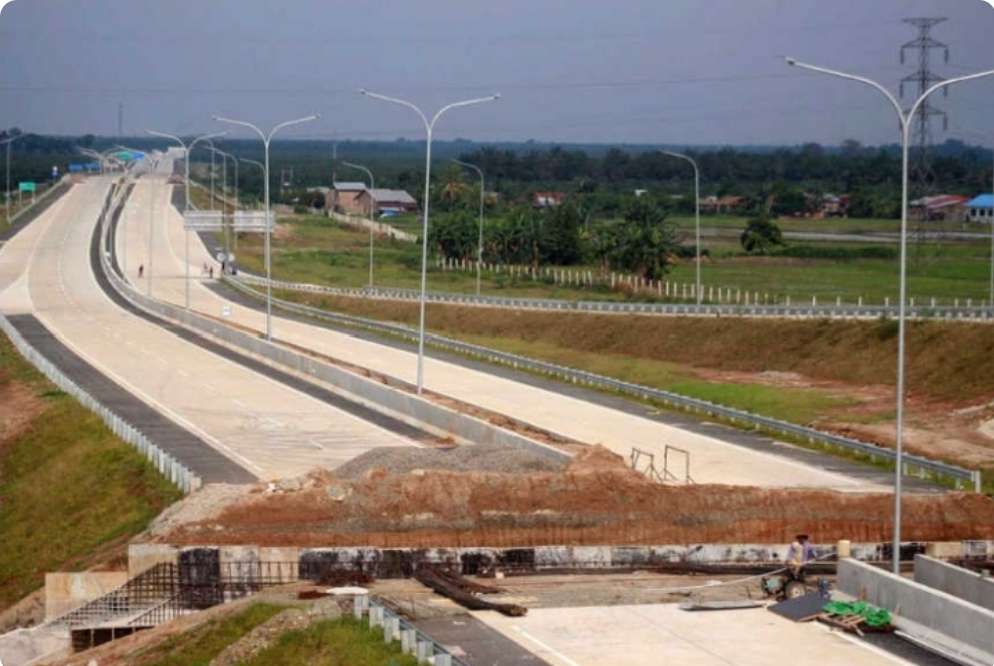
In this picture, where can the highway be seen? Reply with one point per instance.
(267, 427)
(712, 460)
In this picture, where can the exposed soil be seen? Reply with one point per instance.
(19, 404)
(596, 500)
(479, 458)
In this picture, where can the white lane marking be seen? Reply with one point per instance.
(544, 646)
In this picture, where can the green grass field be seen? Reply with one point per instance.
(342, 642)
(318, 250)
(200, 645)
(70, 491)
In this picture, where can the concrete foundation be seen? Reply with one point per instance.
(309, 563)
(142, 556)
(921, 611)
(67, 591)
(954, 580)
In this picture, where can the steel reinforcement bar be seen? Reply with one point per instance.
(944, 313)
(913, 465)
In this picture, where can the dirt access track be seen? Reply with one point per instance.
(595, 500)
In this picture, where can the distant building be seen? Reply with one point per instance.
(942, 207)
(343, 197)
(385, 201)
(833, 205)
(981, 208)
(548, 199)
(719, 205)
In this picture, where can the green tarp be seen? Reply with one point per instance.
(873, 616)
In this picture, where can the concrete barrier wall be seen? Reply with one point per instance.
(957, 581)
(949, 619)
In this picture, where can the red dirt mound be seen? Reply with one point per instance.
(596, 500)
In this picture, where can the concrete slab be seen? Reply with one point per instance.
(664, 634)
(65, 591)
(271, 429)
(142, 556)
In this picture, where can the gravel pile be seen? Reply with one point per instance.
(478, 458)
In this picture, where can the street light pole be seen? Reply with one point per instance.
(224, 182)
(372, 186)
(479, 247)
(262, 167)
(266, 139)
(8, 142)
(697, 218)
(905, 122)
(429, 128)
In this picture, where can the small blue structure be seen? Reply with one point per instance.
(981, 208)
(76, 168)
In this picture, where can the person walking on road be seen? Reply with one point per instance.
(141, 271)
(211, 272)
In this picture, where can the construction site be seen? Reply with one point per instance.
(570, 458)
(469, 533)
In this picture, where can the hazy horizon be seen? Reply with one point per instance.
(632, 72)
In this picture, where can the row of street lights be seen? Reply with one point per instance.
(905, 119)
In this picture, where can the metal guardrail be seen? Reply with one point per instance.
(413, 641)
(913, 465)
(168, 466)
(943, 312)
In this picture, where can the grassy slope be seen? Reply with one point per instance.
(948, 362)
(69, 490)
(342, 642)
(200, 645)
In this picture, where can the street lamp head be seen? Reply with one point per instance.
(790, 61)
(496, 96)
(363, 91)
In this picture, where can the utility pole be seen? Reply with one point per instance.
(921, 79)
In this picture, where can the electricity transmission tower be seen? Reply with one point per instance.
(922, 175)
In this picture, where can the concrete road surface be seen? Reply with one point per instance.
(712, 460)
(270, 429)
(664, 634)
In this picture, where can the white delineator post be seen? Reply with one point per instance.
(905, 121)
(429, 127)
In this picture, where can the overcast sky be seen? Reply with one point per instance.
(666, 71)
